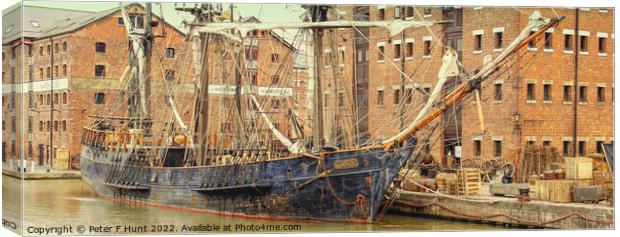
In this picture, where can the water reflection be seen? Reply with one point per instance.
(72, 202)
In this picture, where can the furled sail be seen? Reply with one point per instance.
(135, 39)
(223, 28)
(177, 116)
(292, 147)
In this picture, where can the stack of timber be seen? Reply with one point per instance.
(468, 181)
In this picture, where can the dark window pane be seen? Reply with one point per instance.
(583, 43)
(477, 148)
(583, 96)
(530, 92)
(547, 92)
(169, 75)
(582, 148)
(531, 43)
(170, 52)
(397, 51)
(498, 92)
(600, 94)
(409, 50)
(601, 45)
(100, 47)
(499, 40)
(396, 96)
(427, 48)
(567, 93)
(568, 42)
(99, 70)
(599, 147)
(498, 148)
(548, 40)
(99, 98)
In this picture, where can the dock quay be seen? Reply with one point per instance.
(505, 211)
(37, 172)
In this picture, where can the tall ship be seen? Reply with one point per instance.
(260, 171)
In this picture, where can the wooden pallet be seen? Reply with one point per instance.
(468, 181)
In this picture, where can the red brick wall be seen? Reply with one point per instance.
(385, 75)
(498, 115)
(80, 59)
(539, 120)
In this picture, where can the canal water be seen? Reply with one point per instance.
(71, 203)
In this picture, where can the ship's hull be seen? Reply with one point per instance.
(344, 186)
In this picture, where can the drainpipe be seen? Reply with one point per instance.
(51, 150)
(401, 113)
(576, 83)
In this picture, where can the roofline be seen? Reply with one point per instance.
(104, 16)
(273, 34)
(281, 39)
(54, 8)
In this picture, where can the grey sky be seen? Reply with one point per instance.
(265, 12)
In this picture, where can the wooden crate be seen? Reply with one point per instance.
(468, 181)
(541, 187)
(560, 191)
(578, 167)
(62, 159)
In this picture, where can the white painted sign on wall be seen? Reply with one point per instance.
(262, 91)
(457, 151)
(37, 86)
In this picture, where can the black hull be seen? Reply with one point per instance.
(347, 186)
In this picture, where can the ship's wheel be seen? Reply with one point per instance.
(488, 169)
(469, 163)
(508, 168)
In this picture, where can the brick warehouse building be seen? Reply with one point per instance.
(84, 54)
(520, 106)
(536, 105)
(71, 50)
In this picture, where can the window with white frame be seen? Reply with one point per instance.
(478, 40)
